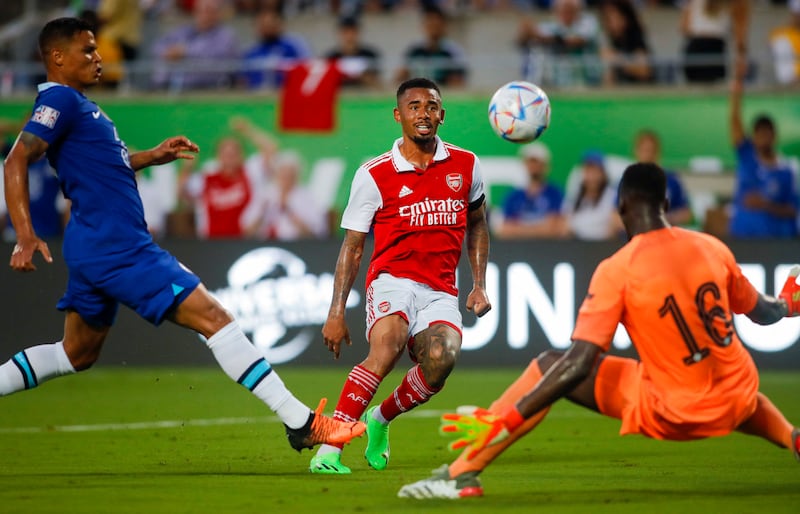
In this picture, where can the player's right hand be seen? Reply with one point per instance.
(791, 292)
(334, 332)
(22, 255)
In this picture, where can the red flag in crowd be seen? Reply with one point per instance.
(308, 98)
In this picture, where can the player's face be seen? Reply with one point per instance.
(646, 150)
(230, 156)
(79, 63)
(537, 169)
(419, 112)
(593, 176)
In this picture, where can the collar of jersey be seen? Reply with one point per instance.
(44, 86)
(402, 165)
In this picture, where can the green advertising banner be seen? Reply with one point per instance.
(689, 124)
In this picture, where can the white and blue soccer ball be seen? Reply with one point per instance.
(519, 112)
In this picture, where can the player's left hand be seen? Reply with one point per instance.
(476, 431)
(478, 301)
(22, 255)
(176, 147)
(791, 292)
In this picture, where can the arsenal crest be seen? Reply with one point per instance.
(455, 181)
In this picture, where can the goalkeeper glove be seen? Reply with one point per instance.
(791, 292)
(479, 429)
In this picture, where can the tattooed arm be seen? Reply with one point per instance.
(335, 330)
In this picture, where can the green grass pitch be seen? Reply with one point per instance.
(189, 440)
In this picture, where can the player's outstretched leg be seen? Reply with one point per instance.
(460, 479)
(244, 363)
(768, 421)
(32, 366)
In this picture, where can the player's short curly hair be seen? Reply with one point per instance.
(645, 182)
(419, 82)
(59, 30)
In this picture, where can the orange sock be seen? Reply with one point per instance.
(511, 396)
(768, 422)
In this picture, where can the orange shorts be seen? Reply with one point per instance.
(621, 392)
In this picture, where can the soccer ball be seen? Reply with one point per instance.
(519, 112)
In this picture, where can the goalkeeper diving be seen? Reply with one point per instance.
(675, 291)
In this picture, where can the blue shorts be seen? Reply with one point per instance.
(149, 280)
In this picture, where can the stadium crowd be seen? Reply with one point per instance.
(240, 45)
(245, 45)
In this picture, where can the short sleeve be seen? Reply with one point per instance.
(365, 200)
(601, 310)
(54, 114)
(742, 295)
(477, 189)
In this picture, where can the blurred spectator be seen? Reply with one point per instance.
(705, 25)
(121, 22)
(274, 53)
(785, 44)
(221, 197)
(359, 64)
(590, 215)
(287, 210)
(647, 148)
(766, 197)
(626, 57)
(569, 40)
(260, 165)
(189, 56)
(535, 210)
(437, 57)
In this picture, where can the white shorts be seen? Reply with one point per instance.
(417, 303)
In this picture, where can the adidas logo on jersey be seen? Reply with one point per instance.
(404, 191)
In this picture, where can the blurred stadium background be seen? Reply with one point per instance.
(158, 429)
(691, 119)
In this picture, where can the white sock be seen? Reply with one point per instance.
(327, 448)
(244, 363)
(377, 415)
(32, 366)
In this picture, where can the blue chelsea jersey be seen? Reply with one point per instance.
(94, 171)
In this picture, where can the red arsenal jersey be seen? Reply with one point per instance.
(419, 216)
(224, 201)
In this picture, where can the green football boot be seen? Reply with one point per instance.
(328, 464)
(377, 452)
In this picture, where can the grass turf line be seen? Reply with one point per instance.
(573, 462)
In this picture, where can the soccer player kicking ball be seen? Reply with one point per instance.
(109, 253)
(695, 379)
(421, 198)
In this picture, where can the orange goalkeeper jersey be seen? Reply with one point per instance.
(675, 291)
